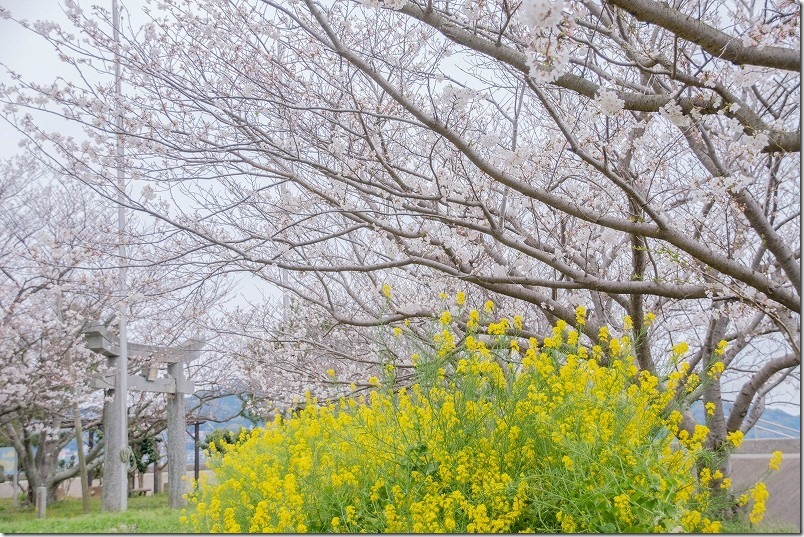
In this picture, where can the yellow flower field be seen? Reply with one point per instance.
(550, 441)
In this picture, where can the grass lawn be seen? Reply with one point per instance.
(150, 514)
(145, 514)
(769, 525)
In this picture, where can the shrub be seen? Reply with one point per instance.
(219, 440)
(490, 438)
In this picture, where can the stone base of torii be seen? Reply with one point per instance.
(176, 385)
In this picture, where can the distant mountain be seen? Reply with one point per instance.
(222, 413)
(774, 423)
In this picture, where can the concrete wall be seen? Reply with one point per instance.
(750, 464)
(74, 485)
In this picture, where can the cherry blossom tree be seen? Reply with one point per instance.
(56, 278)
(634, 157)
(45, 299)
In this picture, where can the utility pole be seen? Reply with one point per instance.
(116, 459)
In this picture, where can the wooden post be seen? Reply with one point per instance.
(90, 445)
(196, 469)
(15, 495)
(41, 501)
(157, 473)
(176, 429)
(82, 462)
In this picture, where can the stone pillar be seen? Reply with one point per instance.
(176, 431)
(41, 502)
(115, 430)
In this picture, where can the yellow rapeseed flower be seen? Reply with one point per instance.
(775, 461)
(386, 290)
(735, 437)
(499, 328)
(628, 323)
(460, 298)
(474, 320)
(567, 462)
(760, 495)
(572, 337)
(716, 369)
(580, 316)
(679, 349)
(603, 334)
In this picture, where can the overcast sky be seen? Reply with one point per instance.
(26, 53)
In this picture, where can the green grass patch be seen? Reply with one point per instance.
(145, 514)
(768, 525)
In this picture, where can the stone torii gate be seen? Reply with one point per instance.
(176, 385)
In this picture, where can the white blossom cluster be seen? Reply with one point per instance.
(748, 76)
(755, 144)
(609, 103)
(674, 114)
(393, 4)
(550, 68)
(541, 13)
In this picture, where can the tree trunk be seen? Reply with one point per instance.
(157, 477)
